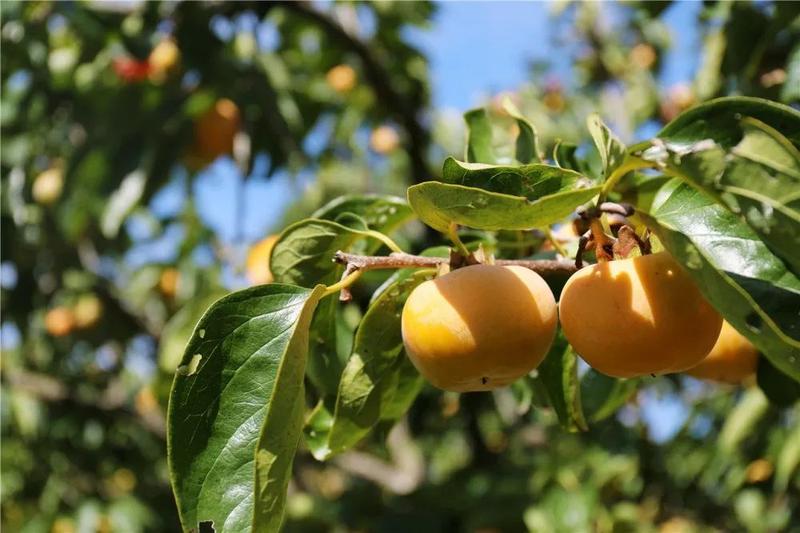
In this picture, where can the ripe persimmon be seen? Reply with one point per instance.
(638, 316)
(215, 130)
(257, 266)
(479, 327)
(732, 359)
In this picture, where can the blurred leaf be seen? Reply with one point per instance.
(734, 270)
(742, 420)
(440, 204)
(788, 459)
(121, 202)
(777, 386)
(558, 375)
(479, 137)
(603, 395)
(791, 87)
(564, 156)
(238, 394)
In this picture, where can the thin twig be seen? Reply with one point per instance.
(368, 262)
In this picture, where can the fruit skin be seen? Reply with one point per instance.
(638, 316)
(47, 186)
(257, 266)
(732, 359)
(59, 321)
(215, 130)
(479, 327)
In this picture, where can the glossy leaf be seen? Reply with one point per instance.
(776, 386)
(531, 181)
(758, 178)
(235, 412)
(734, 270)
(612, 150)
(439, 204)
(371, 382)
(479, 137)
(381, 212)
(720, 120)
(564, 156)
(558, 375)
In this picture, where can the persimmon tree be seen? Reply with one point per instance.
(716, 189)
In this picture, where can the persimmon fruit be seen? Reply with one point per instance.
(47, 186)
(59, 321)
(215, 130)
(479, 327)
(637, 316)
(732, 359)
(257, 266)
(341, 78)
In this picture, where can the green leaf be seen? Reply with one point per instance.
(733, 269)
(381, 212)
(558, 375)
(788, 459)
(235, 412)
(612, 150)
(791, 87)
(527, 145)
(758, 178)
(776, 386)
(531, 181)
(603, 395)
(720, 120)
(439, 204)
(479, 137)
(564, 156)
(742, 420)
(371, 388)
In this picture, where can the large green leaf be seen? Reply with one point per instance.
(235, 412)
(734, 270)
(558, 376)
(720, 120)
(372, 378)
(479, 137)
(440, 204)
(531, 181)
(758, 178)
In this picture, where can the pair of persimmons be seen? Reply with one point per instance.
(484, 326)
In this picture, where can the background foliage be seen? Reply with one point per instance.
(83, 413)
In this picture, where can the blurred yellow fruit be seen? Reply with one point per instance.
(554, 101)
(384, 139)
(168, 284)
(145, 401)
(59, 321)
(677, 524)
(163, 59)
(759, 471)
(48, 185)
(63, 525)
(257, 266)
(680, 97)
(341, 78)
(479, 327)
(638, 316)
(87, 311)
(643, 56)
(122, 481)
(215, 130)
(732, 359)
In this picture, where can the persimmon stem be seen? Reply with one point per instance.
(453, 234)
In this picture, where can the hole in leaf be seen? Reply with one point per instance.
(201, 333)
(206, 527)
(191, 368)
(754, 322)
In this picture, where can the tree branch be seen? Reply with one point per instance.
(417, 136)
